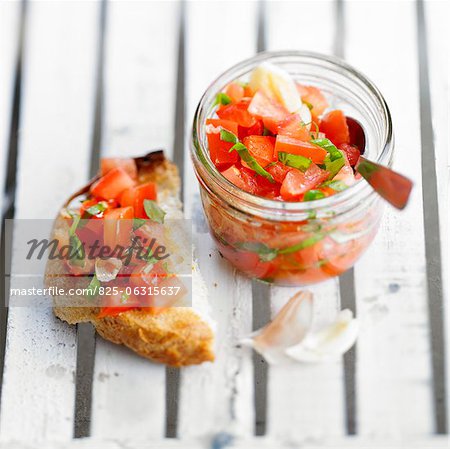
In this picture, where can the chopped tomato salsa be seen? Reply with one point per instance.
(278, 139)
(114, 236)
(277, 130)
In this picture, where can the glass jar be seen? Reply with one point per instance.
(296, 243)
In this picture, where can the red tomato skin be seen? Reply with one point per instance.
(237, 112)
(293, 126)
(135, 196)
(235, 91)
(352, 152)
(334, 125)
(110, 186)
(241, 178)
(261, 148)
(296, 182)
(278, 171)
(218, 149)
(271, 112)
(256, 130)
(314, 97)
(128, 164)
(295, 146)
(118, 226)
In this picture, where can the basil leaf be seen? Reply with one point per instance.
(75, 223)
(76, 254)
(228, 136)
(153, 211)
(96, 209)
(294, 160)
(265, 253)
(222, 98)
(335, 159)
(245, 155)
(137, 223)
(93, 287)
(310, 241)
(312, 195)
(336, 185)
(124, 298)
(251, 161)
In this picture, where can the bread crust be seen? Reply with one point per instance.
(176, 336)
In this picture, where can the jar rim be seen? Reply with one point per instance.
(351, 196)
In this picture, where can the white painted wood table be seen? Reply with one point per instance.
(84, 79)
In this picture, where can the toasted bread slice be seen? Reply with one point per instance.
(176, 336)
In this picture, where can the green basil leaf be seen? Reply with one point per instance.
(93, 287)
(251, 161)
(96, 209)
(312, 195)
(228, 136)
(310, 241)
(294, 160)
(336, 185)
(335, 159)
(222, 98)
(75, 223)
(76, 251)
(153, 211)
(138, 222)
(265, 253)
(333, 165)
(124, 298)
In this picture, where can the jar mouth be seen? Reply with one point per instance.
(216, 183)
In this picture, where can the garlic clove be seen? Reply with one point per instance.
(329, 343)
(287, 329)
(106, 270)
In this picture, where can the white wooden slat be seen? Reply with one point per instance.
(305, 401)
(217, 396)
(56, 117)
(9, 41)
(139, 100)
(253, 443)
(436, 14)
(393, 353)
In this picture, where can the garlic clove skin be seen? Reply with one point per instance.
(287, 329)
(329, 343)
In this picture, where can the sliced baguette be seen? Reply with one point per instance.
(177, 336)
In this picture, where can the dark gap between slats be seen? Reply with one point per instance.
(173, 375)
(260, 290)
(85, 331)
(347, 280)
(9, 188)
(432, 231)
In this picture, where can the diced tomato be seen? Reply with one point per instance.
(112, 184)
(261, 148)
(296, 182)
(247, 261)
(219, 149)
(271, 112)
(135, 197)
(237, 112)
(290, 145)
(118, 226)
(241, 178)
(293, 126)
(235, 91)
(314, 97)
(352, 153)
(107, 164)
(334, 125)
(256, 130)
(112, 311)
(278, 171)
